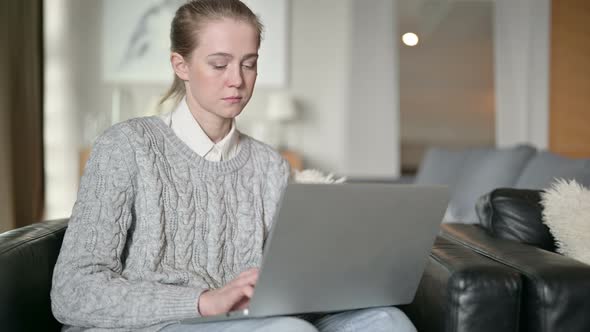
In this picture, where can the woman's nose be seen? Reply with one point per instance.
(235, 78)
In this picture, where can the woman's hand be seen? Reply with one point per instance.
(233, 296)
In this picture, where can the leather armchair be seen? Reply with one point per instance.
(555, 288)
(27, 257)
(463, 291)
(553, 291)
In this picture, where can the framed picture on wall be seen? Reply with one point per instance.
(136, 44)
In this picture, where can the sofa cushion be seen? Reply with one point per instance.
(443, 166)
(545, 167)
(515, 214)
(494, 168)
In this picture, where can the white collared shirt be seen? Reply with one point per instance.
(186, 127)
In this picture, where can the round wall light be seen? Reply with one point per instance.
(410, 39)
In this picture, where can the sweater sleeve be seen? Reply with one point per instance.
(88, 289)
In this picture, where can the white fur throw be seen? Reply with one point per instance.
(315, 176)
(567, 214)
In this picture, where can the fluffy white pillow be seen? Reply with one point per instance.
(567, 214)
(315, 176)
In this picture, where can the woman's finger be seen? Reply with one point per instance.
(247, 273)
(246, 279)
(237, 295)
(244, 303)
(248, 291)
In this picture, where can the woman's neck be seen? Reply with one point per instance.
(214, 126)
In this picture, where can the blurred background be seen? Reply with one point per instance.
(359, 88)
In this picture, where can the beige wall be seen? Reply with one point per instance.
(319, 50)
(343, 74)
(521, 80)
(447, 82)
(319, 71)
(373, 127)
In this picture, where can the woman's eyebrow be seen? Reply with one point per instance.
(220, 54)
(250, 56)
(229, 56)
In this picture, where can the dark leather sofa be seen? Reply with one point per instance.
(27, 257)
(503, 227)
(500, 275)
(457, 292)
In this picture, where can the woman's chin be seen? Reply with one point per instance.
(230, 112)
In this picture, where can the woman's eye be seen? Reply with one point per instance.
(218, 67)
(249, 65)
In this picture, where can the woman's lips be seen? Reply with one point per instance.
(233, 100)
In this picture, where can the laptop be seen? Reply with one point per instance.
(337, 247)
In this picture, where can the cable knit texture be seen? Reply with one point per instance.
(155, 225)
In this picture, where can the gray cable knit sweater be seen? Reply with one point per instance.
(155, 225)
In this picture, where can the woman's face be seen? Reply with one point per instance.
(221, 72)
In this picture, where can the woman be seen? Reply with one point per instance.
(173, 211)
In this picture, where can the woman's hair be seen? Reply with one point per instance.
(188, 21)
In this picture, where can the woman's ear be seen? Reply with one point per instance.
(179, 65)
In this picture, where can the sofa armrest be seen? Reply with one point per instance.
(556, 289)
(27, 257)
(463, 291)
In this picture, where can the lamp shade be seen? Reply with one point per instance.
(281, 107)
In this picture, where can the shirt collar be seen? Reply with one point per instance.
(190, 132)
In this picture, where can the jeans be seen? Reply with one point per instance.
(388, 319)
